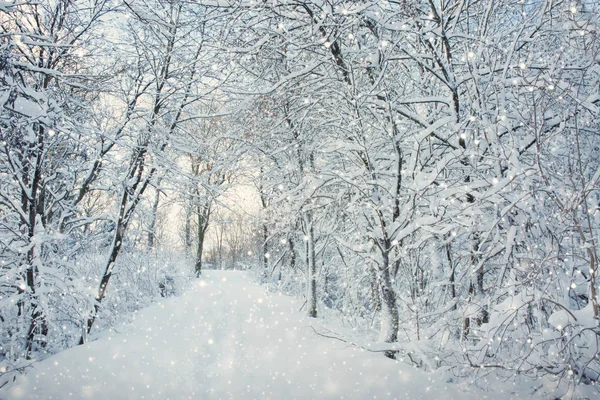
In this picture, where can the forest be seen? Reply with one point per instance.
(424, 172)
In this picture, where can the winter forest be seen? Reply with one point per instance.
(296, 199)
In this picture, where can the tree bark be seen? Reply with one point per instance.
(132, 194)
(311, 268)
(203, 220)
(34, 207)
(292, 254)
(265, 251)
(153, 217)
(188, 233)
(389, 309)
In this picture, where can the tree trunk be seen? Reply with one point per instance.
(265, 251)
(203, 219)
(452, 278)
(389, 309)
(33, 208)
(312, 269)
(188, 233)
(292, 254)
(110, 264)
(483, 316)
(153, 217)
(199, 250)
(130, 199)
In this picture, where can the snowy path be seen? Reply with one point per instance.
(226, 338)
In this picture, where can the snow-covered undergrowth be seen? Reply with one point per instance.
(68, 296)
(503, 352)
(140, 279)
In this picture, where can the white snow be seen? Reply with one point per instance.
(226, 338)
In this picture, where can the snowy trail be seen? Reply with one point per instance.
(225, 338)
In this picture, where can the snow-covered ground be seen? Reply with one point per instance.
(226, 338)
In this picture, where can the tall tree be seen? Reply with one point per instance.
(44, 146)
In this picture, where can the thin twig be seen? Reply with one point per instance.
(350, 343)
